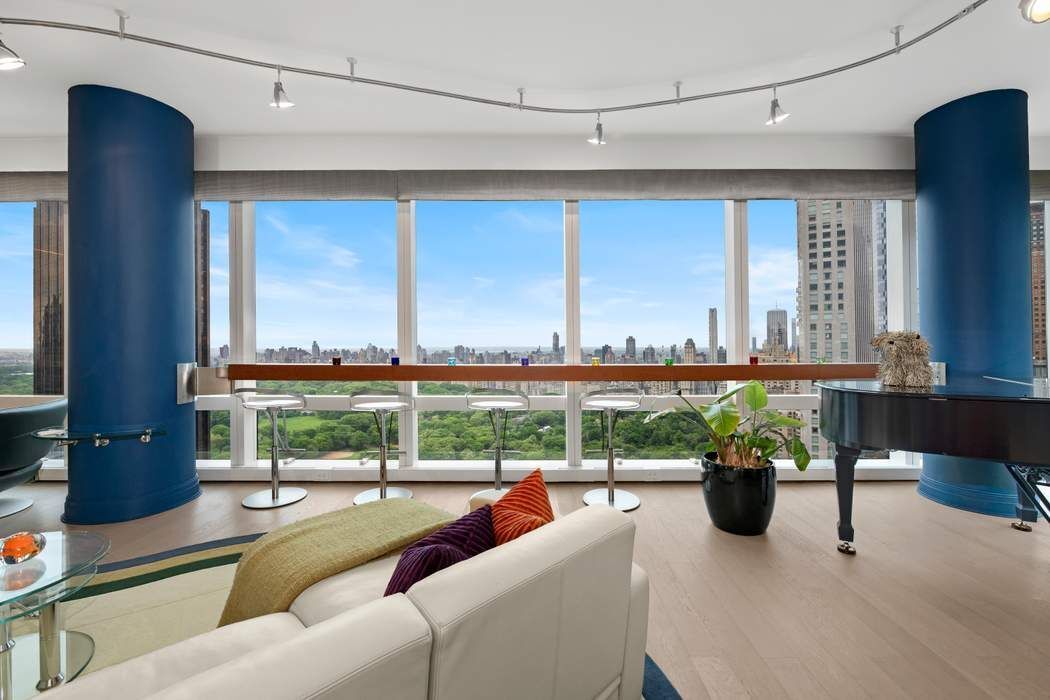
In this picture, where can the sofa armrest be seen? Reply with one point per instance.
(379, 650)
(637, 631)
(151, 673)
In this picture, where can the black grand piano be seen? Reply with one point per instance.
(988, 418)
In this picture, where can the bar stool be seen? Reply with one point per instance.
(610, 402)
(380, 406)
(275, 404)
(498, 403)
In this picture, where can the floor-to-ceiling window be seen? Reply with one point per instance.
(326, 286)
(817, 289)
(31, 286)
(490, 290)
(652, 290)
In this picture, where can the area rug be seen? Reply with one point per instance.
(134, 606)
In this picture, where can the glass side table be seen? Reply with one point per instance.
(39, 661)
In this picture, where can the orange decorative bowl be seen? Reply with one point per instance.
(21, 546)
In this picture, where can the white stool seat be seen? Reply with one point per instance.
(379, 402)
(618, 403)
(262, 402)
(487, 403)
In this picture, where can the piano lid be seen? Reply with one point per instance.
(988, 387)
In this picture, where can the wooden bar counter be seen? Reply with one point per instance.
(548, 373)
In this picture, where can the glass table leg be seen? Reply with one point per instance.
(6, 644)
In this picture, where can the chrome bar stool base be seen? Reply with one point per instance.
(622, 500)
(374, 495)
(286, 495)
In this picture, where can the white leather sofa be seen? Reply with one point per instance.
(561, 612)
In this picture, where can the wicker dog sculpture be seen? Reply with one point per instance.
(905, 359)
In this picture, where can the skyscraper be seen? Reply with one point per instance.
(631, 348)
(315, 351)
(712, 336)
(836, 299)
(878, 260)
(649, 355)
(48, 338)
(202, 311)
(556, 343)
(836, 309)
(1038, 217)
(776, 329)
(689, 352)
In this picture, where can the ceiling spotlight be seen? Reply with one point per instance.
(9, 60)
(1035, 11)
(598, 138)
(280, 97)
(776, 114)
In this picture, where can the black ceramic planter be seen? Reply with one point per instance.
(738, 500)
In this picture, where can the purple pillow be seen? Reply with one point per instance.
(472, 534)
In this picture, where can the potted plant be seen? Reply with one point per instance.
(739, 478)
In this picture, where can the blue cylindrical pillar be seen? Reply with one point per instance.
(975, 307)
(131, 303)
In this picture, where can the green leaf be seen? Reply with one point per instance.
(729, 394)
(799, 454)
(721, 417)
(755, 395)
(782, 421)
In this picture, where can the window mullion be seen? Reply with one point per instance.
(573, 420)
(408, 422)
(243, 425)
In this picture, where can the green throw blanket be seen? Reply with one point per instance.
(280, 565)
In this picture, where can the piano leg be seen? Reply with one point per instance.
(845, 468)
(1029, 498)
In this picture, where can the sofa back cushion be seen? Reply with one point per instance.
(543, 616)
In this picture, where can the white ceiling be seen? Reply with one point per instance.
(565, 53)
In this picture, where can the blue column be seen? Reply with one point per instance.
(975, 307)
(131, 304)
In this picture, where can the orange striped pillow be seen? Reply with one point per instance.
(524, 508)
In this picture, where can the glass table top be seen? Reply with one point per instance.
(67, 562)
(988, 387)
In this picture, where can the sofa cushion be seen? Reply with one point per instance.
(524, 508)
(344, 591)
(470, 535)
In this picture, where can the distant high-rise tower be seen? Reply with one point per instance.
(794, 335)
(202, 311)
(315, 350)
(836, 309)
(878, 261)
(649, 355)
(712, 336)
(555, 343)
(689, 352)
(631, 348)
(776, 329)
(48, 337)
(1038, 215)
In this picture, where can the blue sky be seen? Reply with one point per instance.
(489, 273)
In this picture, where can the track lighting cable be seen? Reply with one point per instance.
(513, 104)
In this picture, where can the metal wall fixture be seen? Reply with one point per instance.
(1032, 10)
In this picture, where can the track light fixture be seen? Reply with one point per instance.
(598, 137)
(776, 114)
(280, 97)
(9, 60)
(1035, 11)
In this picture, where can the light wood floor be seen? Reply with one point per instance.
(937, 603)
